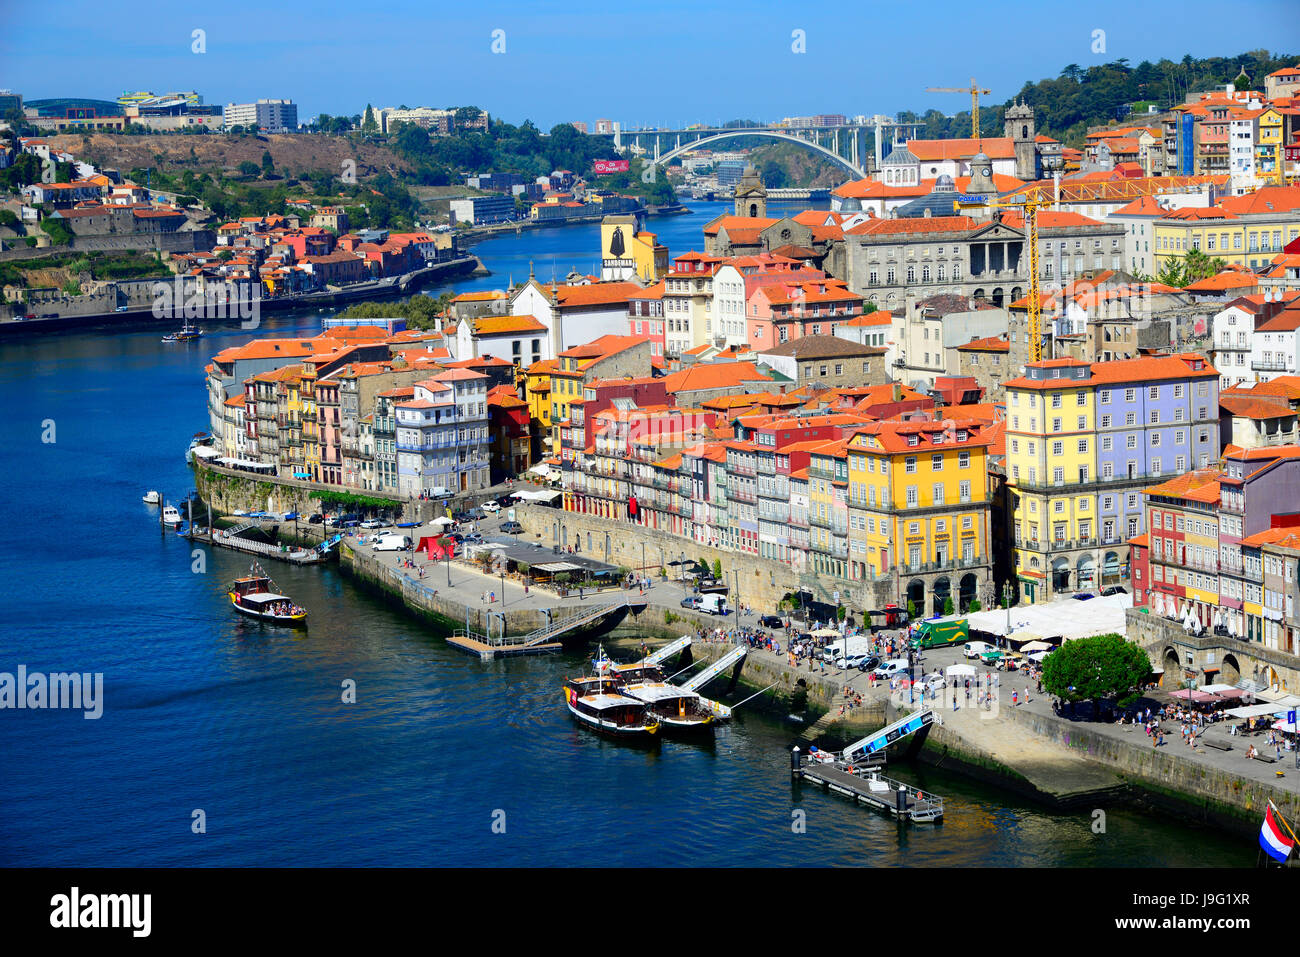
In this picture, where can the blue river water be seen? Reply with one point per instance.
(206, 713)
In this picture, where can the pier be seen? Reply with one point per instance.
(230, 538)
(539, 640)
(866, 785)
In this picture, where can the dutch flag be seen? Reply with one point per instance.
(1272, 840)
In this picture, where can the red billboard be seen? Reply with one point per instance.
(611, 166)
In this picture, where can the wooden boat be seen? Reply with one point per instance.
(186, 333)
(256, 596)
(676, 707)
(597, 703)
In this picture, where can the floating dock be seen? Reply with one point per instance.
(543, 639)
(284, 553)
(488, 648)
(866, 785)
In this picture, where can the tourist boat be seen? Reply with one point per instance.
(152, 498)
(186, 333)
(256, 596)
(171, 516)
(598, 703)
(676, 707)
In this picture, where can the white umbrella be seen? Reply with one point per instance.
(1036, 646)
(1286, 726)
(442, 520)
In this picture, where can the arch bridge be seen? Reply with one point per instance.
(852, 166)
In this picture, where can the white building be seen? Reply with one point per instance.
(1273, 347)
(575, 314)
(273, 116)
(522, 340)
(1242, 129)
(442, 434)
(1233, 333)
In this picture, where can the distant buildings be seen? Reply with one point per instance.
(483, 210)
(270, 116)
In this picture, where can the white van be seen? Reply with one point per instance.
(888, 669)
(392, 543)
(440, 491)
(976, 649)
(713, 603)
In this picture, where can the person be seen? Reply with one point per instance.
(1251, 752)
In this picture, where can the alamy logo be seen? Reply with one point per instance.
(213, 300)
(74, 910)
(65, 690)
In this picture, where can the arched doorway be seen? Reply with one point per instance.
(979, 294)
(1172, 677)
(1231, 672)
(916, 595)
(1110, 573)
(966, 591)
(942, 592)
(1061, 575)
(997, 296)
(1086, 576)
(1016, 293)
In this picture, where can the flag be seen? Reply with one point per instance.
(1272, 840)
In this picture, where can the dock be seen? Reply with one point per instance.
(540, 640)
(231, 539)
(866, 785)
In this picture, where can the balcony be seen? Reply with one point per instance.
(743, 495)
(1275, 365)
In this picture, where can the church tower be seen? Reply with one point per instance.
(1019, 128)
(751, 195)
(981, 176)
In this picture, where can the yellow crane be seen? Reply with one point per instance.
(974, 90)
(1031, 207)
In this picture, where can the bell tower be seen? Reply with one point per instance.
(1019, 128)
(751, 195)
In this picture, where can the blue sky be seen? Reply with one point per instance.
(674, 61)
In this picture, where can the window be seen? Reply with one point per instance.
(911, 496)
(936, 462)
(1105, 421)
(1058, 476)
(1058, 448)
(963, 460)
(938, 493)
(1130, 395)
(1130, 442)
(1081, 398)
(909, 464)
(1056, 400)
(1105, 396)
(1130, 418)
(1083, 446)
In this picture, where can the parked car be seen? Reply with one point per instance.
(869, 663)
(852, 661)
(1083, 596)
(933, 681)
(511, 528)
(317, 519)
(974, 649)
(772, 621)
(372, 523)
(891, 668)
(691, 601)
(1115, 590)
(491, 507)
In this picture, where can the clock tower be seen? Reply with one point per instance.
(981, 176)
(751, 195)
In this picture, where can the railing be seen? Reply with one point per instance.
(1273, 366)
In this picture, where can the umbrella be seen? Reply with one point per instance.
(826, 633)
(1036, 646)
(1030, 636)
(1286, 726)
(441, 520)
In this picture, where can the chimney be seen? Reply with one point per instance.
(898, 392)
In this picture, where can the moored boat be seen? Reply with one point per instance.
(171, 516)
(598, 703)
(676, 707)
(152, 498)
(257, 596)
(186, 333)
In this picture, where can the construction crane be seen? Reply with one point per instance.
(974, 90)
(1030, 207)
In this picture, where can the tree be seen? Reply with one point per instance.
(1090, 669)
(249, 168)
(268, 164)
(911, 608)
(717, 569)
(369, 124)
(974, 605)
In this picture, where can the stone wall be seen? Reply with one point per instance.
(762, 582)
(1186, 657)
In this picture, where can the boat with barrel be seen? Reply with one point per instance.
(677, 708)
(257, 596)
(598, 703)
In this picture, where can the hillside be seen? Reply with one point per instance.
(292, 153)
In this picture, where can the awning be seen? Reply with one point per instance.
(557, 567)
(962, 670)
(1253, 711)
(1034, 646)
(1196, 697)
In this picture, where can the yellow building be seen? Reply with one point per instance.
(537, 393)
(918, 502)
(1269, 128)
(1244, 230)
(627, 253)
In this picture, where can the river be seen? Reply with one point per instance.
(212, 718)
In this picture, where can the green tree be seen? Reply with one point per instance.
(717, 568)
(911, 608)
(369, 124)
(1091, 669)
(249, 168)
(268, 164)
(974, 605)
(947, 605)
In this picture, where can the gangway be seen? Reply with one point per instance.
(662, 655)
(240, 529)
(549, 633)
(877, 741)
(325, 547)
(732, 657)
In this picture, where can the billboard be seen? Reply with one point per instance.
(610, 166)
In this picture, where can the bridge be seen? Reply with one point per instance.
(842, 144)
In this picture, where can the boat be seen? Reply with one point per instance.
(152, 498)
(598, 703)
(199, 440)
(171, 516)
(256, 596)
(186, 333)
(676, 707)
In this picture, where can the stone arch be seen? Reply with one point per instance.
(1060, 575)
(916, 594)
(1016, 293)
(1231, 671)
(967, 591)
(753, 210)
(1086, 573)
(1110, 568)
(1173, 670)
(998, 296)
(1024, 132)
(979, 293)
(942, 590)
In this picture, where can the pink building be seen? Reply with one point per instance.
(780, 310)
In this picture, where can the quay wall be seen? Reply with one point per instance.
(1214, 794)
(762, 581)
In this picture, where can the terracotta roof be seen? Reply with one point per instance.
(1288, 320)
(988, 344)
(1201, 485)
(1141, 370)
(713, 375)
(1251, 408)
(505, 325)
